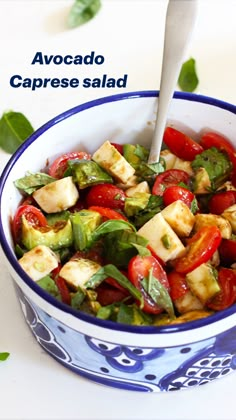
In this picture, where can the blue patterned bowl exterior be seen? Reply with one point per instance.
(147, 369)
(150, 359)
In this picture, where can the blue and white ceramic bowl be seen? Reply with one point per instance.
(138, 358)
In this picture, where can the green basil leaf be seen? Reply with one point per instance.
(188, 79)
(110, 270)
(158, 293)
(32, 182)
(142, 250)
(14, 130)
(4, 356)
(110, 226)
(82, 11)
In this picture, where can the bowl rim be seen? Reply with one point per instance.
(163, 329)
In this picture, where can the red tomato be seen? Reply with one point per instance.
(59, 165)
(33, 215)
(118, 147)
(181, 145)
(106, 195)
(227, 251)
(178, 285)
(227, 295)
(106, 294)
(138, 268)
(168, 179)
(108, 213)
(93, 254)
(221, 201)
(175, 193)
(200, 249)
(211, 139)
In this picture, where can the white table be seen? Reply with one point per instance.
(129, 34)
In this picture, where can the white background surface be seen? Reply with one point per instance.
(129, 34)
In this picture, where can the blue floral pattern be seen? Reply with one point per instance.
(132, 368)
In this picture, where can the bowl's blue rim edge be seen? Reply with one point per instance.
(53, 301)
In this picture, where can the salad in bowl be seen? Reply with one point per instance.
(125, 271)
(132, 242)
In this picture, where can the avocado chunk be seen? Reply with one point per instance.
(217, 166)
(87, 173)
(136, 203)
(84, 222)
(203, 282)
(55, 237)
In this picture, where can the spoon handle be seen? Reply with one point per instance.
(180, 20)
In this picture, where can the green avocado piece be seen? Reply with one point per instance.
(135, 154)
(55, 237)
(87, 173)
(136, 203)
(84, 222)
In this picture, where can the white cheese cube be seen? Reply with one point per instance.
(213, 220)
(230, 215)
(57, 196)
(169, 158)
(77, 272)
(108, 157)
(179, 217)
(141, 187)
(183, 165)
(38, 262)
(162, 238)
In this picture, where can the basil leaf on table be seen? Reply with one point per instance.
(82, 11)
(4, 356)
(14, 130)
(188, 79)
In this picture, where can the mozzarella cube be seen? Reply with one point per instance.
(78, 271)
(162, 238)
(230, 215)
(169, 158)
(39, 262)
(183, 165)
(179, 217)
(141, 187)
(57, 196)
(108, 157)
(213, 220)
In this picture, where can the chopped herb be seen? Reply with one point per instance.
(32, 182)
(14, 130)
(82, 11)
(158, 293)
(188, 80)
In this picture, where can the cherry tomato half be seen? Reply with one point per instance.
(33, 215)
(175, 193)
(106, 294)
(59, 165)
(107, 213)
(227, 295)
(178, 285)
(168, 179)
(200, 249)
(227, 251)
(181, 145)
(138, 268)
(106, 195)
(221, 201)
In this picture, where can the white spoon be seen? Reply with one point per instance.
(180, 20)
